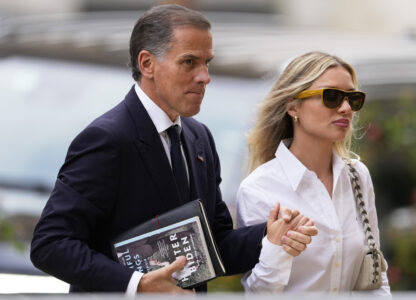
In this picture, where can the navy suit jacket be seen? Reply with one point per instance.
(117, 175)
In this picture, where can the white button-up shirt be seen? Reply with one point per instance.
(162, 122)
(159, 118)
(332, 261)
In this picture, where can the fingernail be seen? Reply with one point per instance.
(284, 239)
(289, 233)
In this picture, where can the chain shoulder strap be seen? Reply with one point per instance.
(355, 183)
(356, 188)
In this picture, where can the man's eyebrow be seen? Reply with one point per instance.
(192, 56)
(189, 56)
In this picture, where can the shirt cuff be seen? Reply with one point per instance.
(133, 284)
(272, 272)
(274, 257)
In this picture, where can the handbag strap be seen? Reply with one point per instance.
(355, 183)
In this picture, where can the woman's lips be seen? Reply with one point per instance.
(344, 123)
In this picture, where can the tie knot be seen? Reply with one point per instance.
(173, 133)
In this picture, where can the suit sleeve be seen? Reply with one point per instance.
(240, 248)
(75, 217)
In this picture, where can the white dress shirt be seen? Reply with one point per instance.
(332, 261)
(162, 122)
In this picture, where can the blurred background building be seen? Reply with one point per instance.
(63, 62)
(381, 16)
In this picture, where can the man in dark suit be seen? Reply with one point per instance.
(124, 169)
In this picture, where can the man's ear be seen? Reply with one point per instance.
(146, 63)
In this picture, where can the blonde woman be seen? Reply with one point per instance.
(298, 148)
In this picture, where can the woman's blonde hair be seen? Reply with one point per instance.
(274, 124)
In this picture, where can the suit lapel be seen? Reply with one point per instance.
(196, 161)
(152, 152)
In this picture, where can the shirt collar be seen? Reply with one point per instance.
(338, 164)
(292, 167)
(156, 114)
(296, 171)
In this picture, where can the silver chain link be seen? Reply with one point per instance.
(364, 217)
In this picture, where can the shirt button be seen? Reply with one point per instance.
(288, 257)
(337, 239)
(334, 289)
(336, 265)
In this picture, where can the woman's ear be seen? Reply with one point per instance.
(146, 63)
(292, 108)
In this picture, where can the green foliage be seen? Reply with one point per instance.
(226, 284)
(6, 230)
(402, 268)
(388, 148)
(7, 234)
(405, 247)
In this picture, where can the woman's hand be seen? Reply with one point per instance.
(295, 241)
(292, 234)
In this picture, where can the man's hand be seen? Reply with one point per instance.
(161, 281)
(292, 235)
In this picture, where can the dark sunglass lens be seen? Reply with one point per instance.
(356, 101)
(332, 98)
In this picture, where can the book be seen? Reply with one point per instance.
(158, 242)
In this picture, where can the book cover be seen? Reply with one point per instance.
(156, 249)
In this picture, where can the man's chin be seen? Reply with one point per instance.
(191, 112)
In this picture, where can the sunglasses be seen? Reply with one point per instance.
(333, 98)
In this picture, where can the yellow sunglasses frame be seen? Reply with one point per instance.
(320, 92)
